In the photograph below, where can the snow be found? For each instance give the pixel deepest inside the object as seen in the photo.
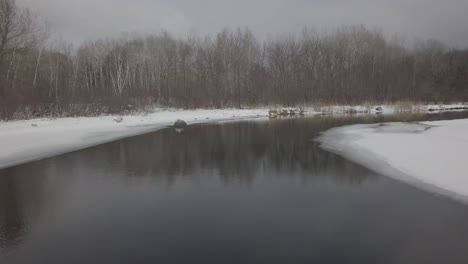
(429, 155)
(29, 140)
(391, 109)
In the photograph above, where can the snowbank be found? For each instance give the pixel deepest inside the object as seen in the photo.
(24, 141)
(390, 109)
(430, 155)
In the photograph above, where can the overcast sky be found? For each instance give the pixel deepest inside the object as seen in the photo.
(77, 20)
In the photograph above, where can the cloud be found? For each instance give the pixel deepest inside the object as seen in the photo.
(413, 19)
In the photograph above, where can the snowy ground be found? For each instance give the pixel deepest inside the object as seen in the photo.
(29, 140)
(430, 155)
(24, 141)
(390, 109)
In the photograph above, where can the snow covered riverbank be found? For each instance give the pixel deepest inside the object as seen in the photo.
(29, 140)
(391, 109)
(430, 155)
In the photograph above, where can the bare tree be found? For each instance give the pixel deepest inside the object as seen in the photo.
(231, 69)
(19, 29)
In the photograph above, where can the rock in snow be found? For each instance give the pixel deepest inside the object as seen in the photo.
(180, 124)
(118, 119)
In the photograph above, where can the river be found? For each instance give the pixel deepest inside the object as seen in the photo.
(254, 191)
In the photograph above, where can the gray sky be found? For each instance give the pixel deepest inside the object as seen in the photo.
(77, 20)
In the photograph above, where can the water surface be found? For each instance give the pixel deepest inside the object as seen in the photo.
(244, 192)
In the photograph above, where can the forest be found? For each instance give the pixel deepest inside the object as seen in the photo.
(347, 65)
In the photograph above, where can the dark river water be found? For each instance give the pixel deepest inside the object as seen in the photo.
(244, 192)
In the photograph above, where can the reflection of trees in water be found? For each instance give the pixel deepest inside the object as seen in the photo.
(236, 152)
(239, 151)
(21, 196)
(11, 215)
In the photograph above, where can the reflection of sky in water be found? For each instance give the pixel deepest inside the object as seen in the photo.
(262, 192)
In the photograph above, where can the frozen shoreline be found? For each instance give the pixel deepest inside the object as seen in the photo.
(429, 155)
(30, 140)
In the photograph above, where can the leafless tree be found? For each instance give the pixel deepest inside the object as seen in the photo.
(19, 29)
(230, 69)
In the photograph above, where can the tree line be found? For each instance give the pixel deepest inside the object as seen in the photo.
(233, 68)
